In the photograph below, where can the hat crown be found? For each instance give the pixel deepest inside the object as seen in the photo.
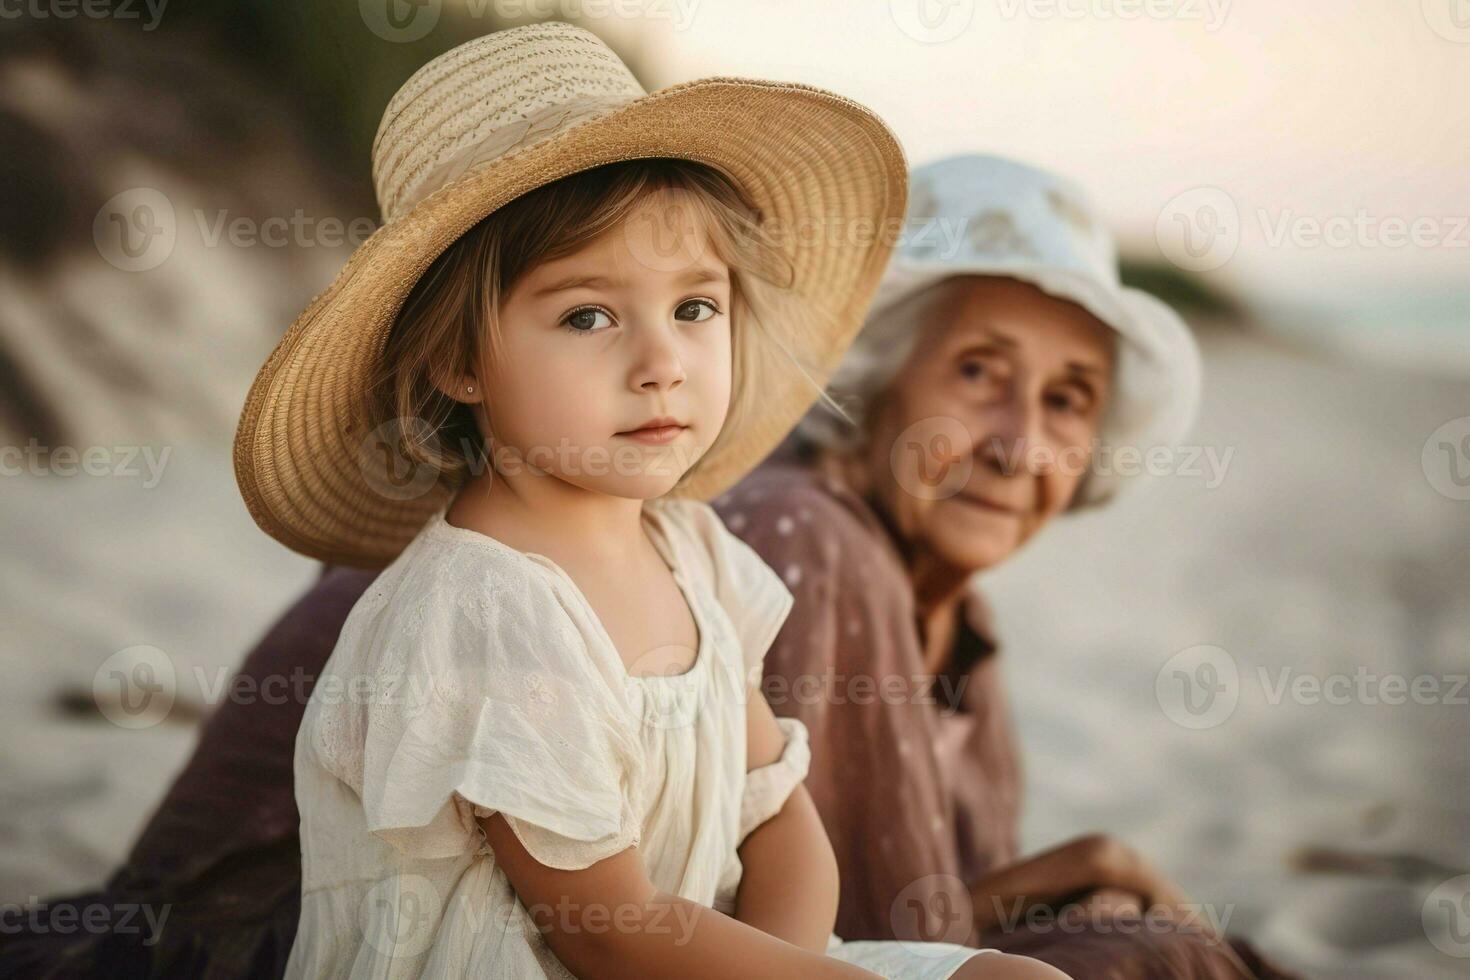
(488, 97)
(983, 210)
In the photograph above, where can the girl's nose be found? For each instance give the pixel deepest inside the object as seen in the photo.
(657, 365)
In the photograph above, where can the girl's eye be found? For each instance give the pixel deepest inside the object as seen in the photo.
(696, 310)
(587, 319)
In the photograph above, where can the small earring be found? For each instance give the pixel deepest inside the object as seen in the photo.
(469, 389)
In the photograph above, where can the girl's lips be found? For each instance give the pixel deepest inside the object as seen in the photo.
(655, 435)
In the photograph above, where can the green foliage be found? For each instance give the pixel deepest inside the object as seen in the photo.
(1180, 289)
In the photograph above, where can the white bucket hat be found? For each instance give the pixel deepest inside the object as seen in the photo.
(985, 215)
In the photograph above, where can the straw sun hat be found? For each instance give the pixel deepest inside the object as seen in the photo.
(484, 124)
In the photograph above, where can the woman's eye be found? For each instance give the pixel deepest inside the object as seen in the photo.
(695, 310)
(973, 370)
(586, 320)
(1069, 402)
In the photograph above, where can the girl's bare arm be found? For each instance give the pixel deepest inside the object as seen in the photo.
(789, 884)
(608, 921)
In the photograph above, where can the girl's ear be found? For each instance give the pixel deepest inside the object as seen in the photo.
(463, 388)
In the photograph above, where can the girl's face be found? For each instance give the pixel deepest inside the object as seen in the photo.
(613, 370)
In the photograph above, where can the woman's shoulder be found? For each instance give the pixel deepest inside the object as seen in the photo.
(789, 501)
(790, 512)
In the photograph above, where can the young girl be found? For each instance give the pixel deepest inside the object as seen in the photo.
(537, 749)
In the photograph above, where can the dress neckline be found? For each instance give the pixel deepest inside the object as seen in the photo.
(667, 549)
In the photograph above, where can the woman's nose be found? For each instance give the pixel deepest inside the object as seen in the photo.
(657, 365)
(1009, 435)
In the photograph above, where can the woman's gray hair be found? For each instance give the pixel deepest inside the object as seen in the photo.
(880, 350)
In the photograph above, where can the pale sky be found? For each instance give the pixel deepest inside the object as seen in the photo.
(1301, 111)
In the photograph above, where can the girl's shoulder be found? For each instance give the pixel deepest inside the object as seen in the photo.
(464, 678)
(455, 597)
(693, 522)
(702, 542)
(456, 622)
(448, 566)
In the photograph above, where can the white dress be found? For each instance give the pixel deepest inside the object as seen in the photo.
(473, 678)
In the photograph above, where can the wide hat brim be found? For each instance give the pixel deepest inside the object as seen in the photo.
(305, 454)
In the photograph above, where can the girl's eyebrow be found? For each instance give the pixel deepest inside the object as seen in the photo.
(591, 282)
(696, 275)
(699, 275)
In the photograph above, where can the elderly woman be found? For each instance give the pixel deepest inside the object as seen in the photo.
(1000, 349)
(1001, 352)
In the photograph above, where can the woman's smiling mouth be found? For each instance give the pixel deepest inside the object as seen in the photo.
(989, 505)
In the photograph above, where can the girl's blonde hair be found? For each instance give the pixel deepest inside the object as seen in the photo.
(448, 324)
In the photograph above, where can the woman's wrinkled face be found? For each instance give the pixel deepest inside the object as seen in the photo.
(631, 331)
(988, 429)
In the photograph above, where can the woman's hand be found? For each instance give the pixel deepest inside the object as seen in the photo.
(1123, 874)
(1107, 877)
